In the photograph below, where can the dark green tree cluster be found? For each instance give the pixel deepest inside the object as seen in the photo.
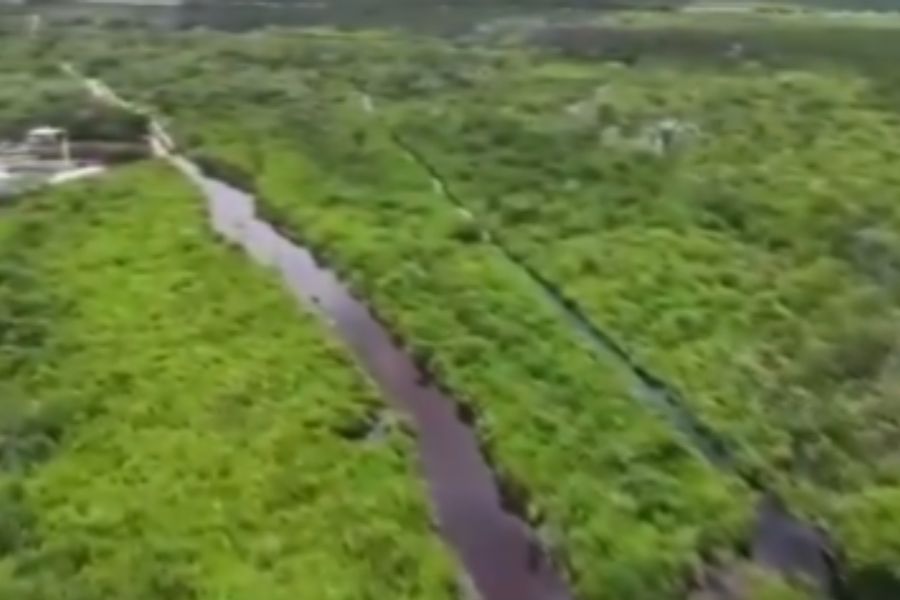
(30, 100)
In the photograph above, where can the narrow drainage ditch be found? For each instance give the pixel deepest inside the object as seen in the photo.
(649, 389)
(780, 541)
(501, 554)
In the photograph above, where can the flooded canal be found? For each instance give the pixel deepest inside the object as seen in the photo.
(500, 553)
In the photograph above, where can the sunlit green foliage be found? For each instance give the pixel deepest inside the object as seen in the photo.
(174, 427)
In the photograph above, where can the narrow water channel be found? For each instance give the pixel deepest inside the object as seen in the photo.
(502, 556)
(500, 553)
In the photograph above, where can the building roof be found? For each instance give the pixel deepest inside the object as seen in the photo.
(45, 130)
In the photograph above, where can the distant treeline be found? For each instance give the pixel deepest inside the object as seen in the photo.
(852, 4)
(381, 6)
(386, 5)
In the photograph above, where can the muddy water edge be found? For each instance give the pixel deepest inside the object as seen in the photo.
(501, 554)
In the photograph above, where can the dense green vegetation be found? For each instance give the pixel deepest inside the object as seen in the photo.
(716, 195)
(735, 228)
(46, 97)
(173, 426)
(732, 224)
(639, 508)
(543, 405)
(732, 227)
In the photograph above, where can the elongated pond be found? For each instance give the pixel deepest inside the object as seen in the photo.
(500, 553)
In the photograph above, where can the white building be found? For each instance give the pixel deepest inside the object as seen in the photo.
(46, 139)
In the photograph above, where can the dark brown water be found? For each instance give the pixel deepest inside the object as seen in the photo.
(787, 544)
(500, 553)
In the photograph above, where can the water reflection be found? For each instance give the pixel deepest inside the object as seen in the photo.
(500, 553)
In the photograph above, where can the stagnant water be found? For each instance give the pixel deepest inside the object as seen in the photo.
(501, 554)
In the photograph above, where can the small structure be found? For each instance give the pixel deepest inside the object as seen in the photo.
(43, 157)
(49, 140)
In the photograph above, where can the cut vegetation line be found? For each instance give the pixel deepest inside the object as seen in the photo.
(648, 389)
(781, 541)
